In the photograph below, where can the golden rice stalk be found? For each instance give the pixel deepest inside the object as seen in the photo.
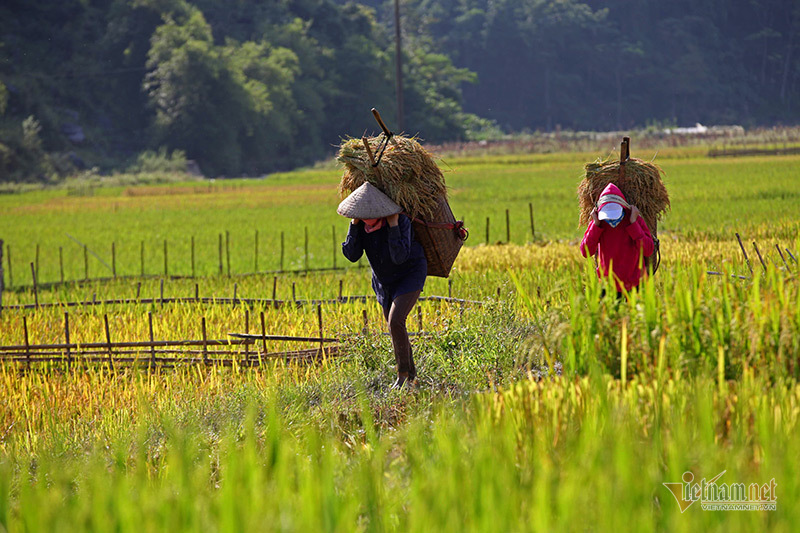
(407, 173)
(641, 185)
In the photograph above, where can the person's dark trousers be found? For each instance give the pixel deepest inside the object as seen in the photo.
(396, 317)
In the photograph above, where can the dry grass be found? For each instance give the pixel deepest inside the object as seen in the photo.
(641, 184)
(407, 173)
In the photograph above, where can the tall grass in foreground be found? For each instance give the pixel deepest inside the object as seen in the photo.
(555, 455)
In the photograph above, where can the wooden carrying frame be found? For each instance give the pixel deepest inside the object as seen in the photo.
(441, 239)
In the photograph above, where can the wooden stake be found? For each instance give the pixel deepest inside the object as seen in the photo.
(35, 288)
(193, 274)
(763, 264)
(508, 227)
(293, 296)
(27, 342)
(8, 257)
(341, 284)
(247, 330)
(197, 292)
(113, 259)
(419, 318)
(263, 337)
(306, 248)
(487, 230)
(274, 287)
(66, 339)
(321, 336)
(141, 258)
(36, 258)
(533, 228)
(108, 341)
(85, 262)
(220, 254)
(235, 287)
(255, 254)
(747, 260)
(162, 293)
(228, 251)
(282, 251)
(152, 340)
(783, 259)
(449, 288)
(61, 263)
(166, 260)
(366, 321)
(205, 340)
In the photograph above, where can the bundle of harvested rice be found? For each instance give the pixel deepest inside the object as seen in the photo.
(407, 173)
(640, 183)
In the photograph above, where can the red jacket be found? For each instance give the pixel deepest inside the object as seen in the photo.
(619, 247)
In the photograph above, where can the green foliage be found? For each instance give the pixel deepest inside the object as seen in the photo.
(160, 161)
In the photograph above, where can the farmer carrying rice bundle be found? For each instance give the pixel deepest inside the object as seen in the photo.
(379, 229)
(622, 202)
(395, 194)
(619, 236)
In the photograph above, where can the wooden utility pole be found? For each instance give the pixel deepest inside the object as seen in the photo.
(399, 67)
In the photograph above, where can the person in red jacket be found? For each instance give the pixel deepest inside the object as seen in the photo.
(620, 237)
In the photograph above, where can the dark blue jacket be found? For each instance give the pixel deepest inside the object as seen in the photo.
(396, 257)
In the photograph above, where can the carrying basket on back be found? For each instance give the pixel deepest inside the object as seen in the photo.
(401, 168)
(639, 181)
(441, 239)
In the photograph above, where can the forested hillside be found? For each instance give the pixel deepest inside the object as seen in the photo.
(248, 87)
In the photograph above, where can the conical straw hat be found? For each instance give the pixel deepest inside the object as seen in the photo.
(368, 202)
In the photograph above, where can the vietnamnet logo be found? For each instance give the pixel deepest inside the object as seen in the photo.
(715, 496)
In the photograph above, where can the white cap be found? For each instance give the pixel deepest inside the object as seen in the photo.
(610, 211)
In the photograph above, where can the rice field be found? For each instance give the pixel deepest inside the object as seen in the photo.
(540, 405)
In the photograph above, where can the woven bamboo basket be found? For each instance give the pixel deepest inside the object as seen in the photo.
(441, 239)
